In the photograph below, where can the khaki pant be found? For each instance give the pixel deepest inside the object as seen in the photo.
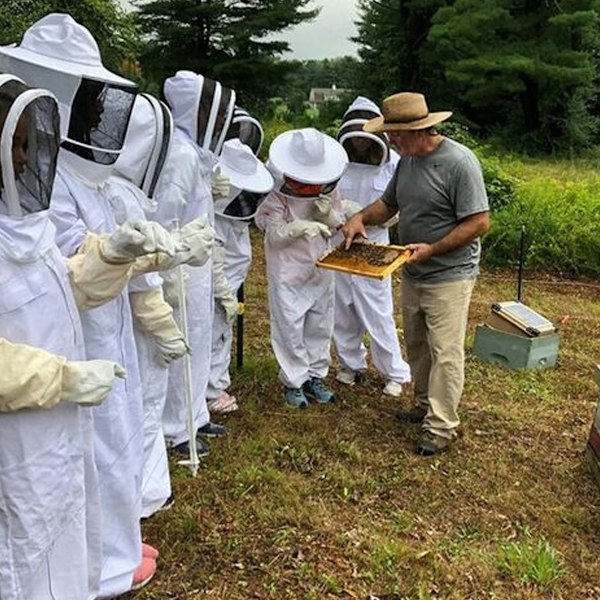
(435, 321)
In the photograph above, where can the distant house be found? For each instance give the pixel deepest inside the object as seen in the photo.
(318, 96)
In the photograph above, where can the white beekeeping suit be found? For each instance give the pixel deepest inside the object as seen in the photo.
(202, 111)
(298, 219)
(363, 305)
(247, 129)
(249, 182)
(50, 543)
(95, 104)
(158, 339)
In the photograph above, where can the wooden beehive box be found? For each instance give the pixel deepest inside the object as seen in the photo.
(365, 258)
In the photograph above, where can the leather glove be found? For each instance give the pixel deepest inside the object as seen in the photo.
(220, 185)
(198, 236)
(170, 350)
(92, 381)
(230, 305)
(136, 238)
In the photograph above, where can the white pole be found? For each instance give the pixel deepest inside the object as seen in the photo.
(193, 461)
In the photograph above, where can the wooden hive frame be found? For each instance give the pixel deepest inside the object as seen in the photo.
(353, 261)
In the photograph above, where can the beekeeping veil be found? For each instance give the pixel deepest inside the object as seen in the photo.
(29, 142)
(59, 54)
(361, 146)
(147, 142)
(250, 181)
(246, 129)
(202, 107)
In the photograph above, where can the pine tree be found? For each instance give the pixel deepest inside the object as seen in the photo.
(525, 66)
(229, 41)
(390, 35)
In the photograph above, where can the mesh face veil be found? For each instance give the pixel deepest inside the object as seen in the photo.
(362, 147)
(244, 206)
(98, 121)
(247, 129)
(164, 137)
(58, 54)
(215, 112)
(29, 143)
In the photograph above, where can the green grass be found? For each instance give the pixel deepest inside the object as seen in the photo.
(332, 502)
(531, 563)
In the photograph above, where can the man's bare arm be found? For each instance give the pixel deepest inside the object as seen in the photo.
(466, 231)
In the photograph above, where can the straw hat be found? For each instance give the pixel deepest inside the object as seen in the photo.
(405, 111)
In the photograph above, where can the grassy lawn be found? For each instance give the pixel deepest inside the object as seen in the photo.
(331, 502)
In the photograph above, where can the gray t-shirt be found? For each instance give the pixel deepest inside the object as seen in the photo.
(433, 194)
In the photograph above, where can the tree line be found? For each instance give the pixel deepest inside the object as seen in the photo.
(523, 71)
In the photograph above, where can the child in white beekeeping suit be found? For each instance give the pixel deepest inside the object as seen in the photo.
(58, 53)
(298, 219)
(249, 181)
(159, 340)
(364, 305)
(202, 110)
(50, 513)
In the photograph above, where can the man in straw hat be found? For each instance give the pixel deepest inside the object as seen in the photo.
(439, 195)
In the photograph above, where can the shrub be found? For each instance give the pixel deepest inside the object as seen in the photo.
(562, 219)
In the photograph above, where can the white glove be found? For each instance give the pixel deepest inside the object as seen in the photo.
(308, 229)
(280, 231)
(198, 236)
(230, 305)
(222, 291)
(171, 286)
(171, 350)
(220, 185)
(136, 238)
(93, 382)
(350, 208)
(323, 206)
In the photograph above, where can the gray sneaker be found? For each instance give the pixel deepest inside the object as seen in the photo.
(184, 448)
(212, 430)
(295, 397)
(315, 388)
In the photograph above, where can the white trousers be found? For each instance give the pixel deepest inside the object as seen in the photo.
(301, 329)
(365, 306)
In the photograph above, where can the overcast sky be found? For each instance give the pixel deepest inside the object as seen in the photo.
(325, 37)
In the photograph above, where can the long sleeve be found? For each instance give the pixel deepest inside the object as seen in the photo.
(95, 281)
(153, 315)
(32, 378)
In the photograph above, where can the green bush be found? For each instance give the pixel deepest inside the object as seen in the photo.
(562, 219)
